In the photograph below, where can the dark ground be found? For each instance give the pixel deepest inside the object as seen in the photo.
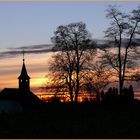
(74, 121)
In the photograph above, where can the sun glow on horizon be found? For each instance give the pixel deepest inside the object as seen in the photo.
(39, 81)
(36, 68)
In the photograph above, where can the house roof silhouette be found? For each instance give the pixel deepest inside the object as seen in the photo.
(14, 94)
(26, 101)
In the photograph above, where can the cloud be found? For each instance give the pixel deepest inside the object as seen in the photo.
(32, 49)
(44, 48)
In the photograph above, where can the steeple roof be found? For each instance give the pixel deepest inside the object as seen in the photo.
(23, 74)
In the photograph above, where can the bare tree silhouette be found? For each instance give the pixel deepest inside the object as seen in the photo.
(98, 78)
(75, 50)
(122, 33)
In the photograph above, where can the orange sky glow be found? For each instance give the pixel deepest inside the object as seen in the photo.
(37, 67)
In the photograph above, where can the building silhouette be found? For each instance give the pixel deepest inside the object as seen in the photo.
(20, 97)
(24, 80)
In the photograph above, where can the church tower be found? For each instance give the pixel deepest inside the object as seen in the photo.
(24, 79)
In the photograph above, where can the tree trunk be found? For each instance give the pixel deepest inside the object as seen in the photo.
(71, 97)
(77, 83)
(70, 88)
(77, 70)
(120, 87)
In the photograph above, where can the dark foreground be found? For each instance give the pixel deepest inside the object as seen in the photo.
(74, 121)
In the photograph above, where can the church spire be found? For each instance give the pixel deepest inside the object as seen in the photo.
(23, 55)
(24, 79)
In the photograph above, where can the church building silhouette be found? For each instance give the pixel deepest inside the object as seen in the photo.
(24, 80)
(21, 96)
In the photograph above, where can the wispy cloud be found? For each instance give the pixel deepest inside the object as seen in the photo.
(45, 48)
(32, 49)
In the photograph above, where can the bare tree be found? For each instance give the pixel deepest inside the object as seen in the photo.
(98, 78)
(75, 49)
(122, 33)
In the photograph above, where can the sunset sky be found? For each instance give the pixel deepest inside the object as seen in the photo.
(30, 25)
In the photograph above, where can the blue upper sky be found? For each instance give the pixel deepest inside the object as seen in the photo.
(30, 23)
